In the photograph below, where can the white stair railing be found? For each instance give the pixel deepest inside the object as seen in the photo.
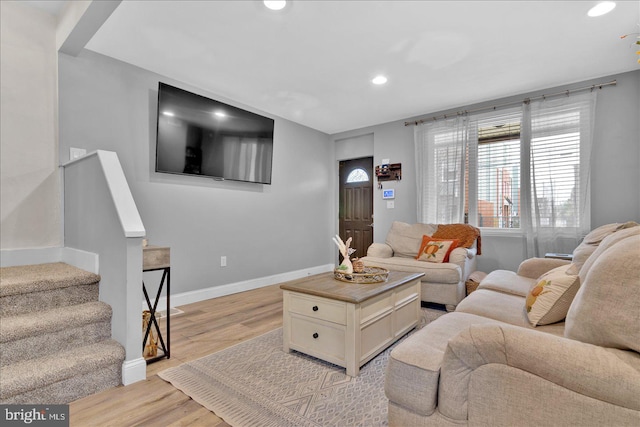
(101, 217)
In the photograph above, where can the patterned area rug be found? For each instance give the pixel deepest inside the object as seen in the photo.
(255, 383)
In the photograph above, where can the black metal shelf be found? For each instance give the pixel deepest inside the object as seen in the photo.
(166, 278)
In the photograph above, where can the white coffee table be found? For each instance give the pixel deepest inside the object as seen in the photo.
(348, 324)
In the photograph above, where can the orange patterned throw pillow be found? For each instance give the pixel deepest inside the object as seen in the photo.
(436, 250)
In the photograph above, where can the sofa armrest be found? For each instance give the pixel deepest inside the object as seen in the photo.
(463, 258)
(461, 255)
(599, 373)
(380, 250)
(536, 267)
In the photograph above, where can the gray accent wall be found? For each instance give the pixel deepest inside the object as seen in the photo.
(263, 230)
(615, 172)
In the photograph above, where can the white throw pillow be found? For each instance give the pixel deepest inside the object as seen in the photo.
(549, 299)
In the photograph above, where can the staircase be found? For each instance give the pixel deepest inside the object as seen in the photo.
(55, 336)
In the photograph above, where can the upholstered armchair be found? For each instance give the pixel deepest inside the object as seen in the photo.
(444, 278)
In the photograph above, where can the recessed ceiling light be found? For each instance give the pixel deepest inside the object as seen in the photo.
(379, 80)
(275, 5)
(168, 113)
(601, 8)
(220, 113)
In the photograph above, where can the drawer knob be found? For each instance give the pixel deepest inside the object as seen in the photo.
(315, 308)
(315, 335)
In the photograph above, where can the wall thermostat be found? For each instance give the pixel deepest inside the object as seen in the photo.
(389, 193)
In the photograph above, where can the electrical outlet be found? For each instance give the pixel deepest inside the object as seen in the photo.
(223, 261)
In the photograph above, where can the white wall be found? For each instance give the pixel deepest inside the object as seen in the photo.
(615, 172)
(263, 230)
(29, 179)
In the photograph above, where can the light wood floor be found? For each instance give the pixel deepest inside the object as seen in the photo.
(204, 328)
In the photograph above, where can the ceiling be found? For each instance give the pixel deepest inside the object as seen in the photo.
(313, 62)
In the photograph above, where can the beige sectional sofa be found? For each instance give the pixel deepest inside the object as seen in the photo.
(442, 283)
(487, 365)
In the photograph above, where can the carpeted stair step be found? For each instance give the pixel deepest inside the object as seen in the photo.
(32, 335)
(63, 377)
(40, 287)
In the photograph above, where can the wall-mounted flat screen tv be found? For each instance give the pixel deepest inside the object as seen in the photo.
(200, 136)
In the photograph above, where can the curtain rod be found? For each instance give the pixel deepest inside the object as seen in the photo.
(526, 100)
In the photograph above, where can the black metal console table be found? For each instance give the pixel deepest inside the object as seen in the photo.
(156, 258)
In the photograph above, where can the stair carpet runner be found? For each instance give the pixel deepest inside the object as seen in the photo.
(55, 336)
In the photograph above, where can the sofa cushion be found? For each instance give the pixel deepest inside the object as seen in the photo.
(405, 239)
(508, 282)
(549, 300)
(380, 250)
(499, 306)
(595, 236)
(436, 250)
(606, 243)
(433, 272)
(413, 369)
(592, 240)
(606, 309)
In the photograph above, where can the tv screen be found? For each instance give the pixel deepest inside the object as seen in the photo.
(200, 136)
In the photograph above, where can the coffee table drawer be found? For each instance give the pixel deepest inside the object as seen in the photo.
(319, 308)
(318, 339)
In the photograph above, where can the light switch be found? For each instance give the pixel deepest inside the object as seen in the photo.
(390, 204)
(75, 153)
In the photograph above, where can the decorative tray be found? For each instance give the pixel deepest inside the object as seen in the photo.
(370, 275)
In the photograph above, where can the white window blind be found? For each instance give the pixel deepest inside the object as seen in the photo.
(524, 168)
(559, 179)
(496, 156)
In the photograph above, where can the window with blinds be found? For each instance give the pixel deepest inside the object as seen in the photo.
(525, 167)
(555, 167)
(554, 152)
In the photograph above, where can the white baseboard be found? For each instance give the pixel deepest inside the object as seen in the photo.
(11, 257)
(233, 288)
(134, 370)
(84, 260)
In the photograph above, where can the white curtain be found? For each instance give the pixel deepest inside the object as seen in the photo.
(556, 142)
(440, 148)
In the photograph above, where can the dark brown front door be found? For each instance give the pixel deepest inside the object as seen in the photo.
(355, 213)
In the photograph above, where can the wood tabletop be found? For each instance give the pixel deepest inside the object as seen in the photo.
(325, 285)
(155, 257)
